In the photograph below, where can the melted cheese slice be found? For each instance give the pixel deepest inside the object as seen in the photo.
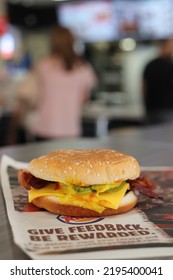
(94, 201)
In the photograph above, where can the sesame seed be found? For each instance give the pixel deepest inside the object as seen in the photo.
(65, 171)
(88, 171)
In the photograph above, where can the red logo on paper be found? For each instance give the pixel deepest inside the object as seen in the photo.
(78, 220)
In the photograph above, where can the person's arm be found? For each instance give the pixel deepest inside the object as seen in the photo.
(26, 98)
(90, 82)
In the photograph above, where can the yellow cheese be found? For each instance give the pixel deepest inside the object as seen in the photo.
(84, 200)
(113, 199)
(94, 201)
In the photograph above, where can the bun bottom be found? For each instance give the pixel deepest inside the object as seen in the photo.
(50, 203)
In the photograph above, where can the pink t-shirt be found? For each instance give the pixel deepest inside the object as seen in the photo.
(61, 97)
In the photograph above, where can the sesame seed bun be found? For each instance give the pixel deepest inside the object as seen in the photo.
(85, 167)
(51, 204)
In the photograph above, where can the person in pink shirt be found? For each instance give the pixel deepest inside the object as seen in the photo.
(64, 84)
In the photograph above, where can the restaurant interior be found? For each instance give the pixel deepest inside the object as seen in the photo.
(117, 37)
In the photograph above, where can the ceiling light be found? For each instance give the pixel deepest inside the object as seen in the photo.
(127, 44)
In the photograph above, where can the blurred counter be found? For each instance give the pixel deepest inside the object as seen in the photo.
(101, 115)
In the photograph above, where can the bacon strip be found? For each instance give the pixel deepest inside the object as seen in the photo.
(144, 186)
(27, 180)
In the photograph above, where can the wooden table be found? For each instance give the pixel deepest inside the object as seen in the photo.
(152, 146)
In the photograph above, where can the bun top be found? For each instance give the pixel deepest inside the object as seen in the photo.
(85, 167)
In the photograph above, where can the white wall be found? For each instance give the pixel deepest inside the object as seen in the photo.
(132, 67)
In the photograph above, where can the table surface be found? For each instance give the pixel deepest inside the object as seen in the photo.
(152, 146)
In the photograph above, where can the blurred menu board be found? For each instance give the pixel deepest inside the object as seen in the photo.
(108, 20)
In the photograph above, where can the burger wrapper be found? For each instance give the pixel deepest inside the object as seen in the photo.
(146, 231)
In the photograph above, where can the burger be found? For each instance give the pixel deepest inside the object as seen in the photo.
(83, 183)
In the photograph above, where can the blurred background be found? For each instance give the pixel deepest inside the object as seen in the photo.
(117, 37)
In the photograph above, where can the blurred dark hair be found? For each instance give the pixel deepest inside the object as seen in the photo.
(62, 45)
